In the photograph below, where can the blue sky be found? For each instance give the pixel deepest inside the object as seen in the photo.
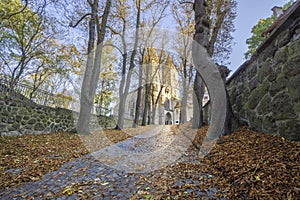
(248, 14)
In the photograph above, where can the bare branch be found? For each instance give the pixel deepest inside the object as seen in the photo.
(82, 18)
(16, 13)
(113, 30)
(186, 2)
(90, 2)
(111, 45)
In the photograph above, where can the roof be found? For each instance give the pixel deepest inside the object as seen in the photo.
(282, 18)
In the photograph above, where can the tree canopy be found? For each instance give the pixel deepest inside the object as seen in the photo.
(256, 39)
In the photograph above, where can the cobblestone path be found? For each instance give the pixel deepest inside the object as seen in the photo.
(114, 172)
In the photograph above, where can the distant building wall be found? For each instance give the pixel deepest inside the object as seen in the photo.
(265, 91)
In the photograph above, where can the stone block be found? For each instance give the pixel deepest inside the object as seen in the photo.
(253, 83)
(26, 118)
(31, 121)
(22, 111)
(281, 56)
(13, 104)
(39, 127)
(296, 109)
(12, 133)
(277, 86)
(264, 106)
(291, 67)
(269, 125)
(5, 113)
(28, 126)
(294, 87)
(272, 75)
(265, 70)
(10, 128)
(255, 121)
(282, 107)
(252, 71)
(11, 120)
(290, 129)
(294, 49)
(3, 127)
(283, 38)
(18, 118)
(256, 95)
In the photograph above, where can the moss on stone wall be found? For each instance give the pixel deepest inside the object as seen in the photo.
(270, 95)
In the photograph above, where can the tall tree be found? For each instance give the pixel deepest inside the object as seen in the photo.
(128, 48)
(108, 77)
(183, 15)
(22, 35)
(208, 72)
(97, 32)
(201, 36)
(255, 40)
(157, 81)
(219, 22)
(54, 71)
(154, 61)
(157, 14)
(221, 15)
(125, 81)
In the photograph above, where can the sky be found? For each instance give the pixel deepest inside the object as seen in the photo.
(248, 14)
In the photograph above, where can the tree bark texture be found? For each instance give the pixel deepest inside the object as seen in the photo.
(93, 67)
(199, 89)
(209, 72)
(201, 36)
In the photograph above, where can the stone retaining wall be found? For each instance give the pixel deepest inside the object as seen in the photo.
(19, 118)
(265, 91)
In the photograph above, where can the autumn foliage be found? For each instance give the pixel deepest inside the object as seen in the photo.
(243, 165)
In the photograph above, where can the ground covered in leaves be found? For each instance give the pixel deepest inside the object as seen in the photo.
(243, 165)
(29, 157)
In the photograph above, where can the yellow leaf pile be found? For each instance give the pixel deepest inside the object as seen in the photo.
(243, 165)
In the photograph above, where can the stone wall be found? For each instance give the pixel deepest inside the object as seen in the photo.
(265, 91)
(19, 118)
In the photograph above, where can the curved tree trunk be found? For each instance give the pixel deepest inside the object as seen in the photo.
(209, 72)
(201, 37)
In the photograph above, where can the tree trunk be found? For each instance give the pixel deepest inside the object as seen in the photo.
(138, 98)
(120, 123)
(197, 102)
(231, 123)
(154, 106)
(149, 114)
(121, 109)
(201, 36)
(92, 71)
(131, 67)
(146, 107)
(209, 72)
(183, 113)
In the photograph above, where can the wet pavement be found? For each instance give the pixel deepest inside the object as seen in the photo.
(115, 172)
